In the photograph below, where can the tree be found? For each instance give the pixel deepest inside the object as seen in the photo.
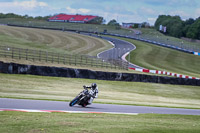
(174, 25)
(97, 20)
(113, 22)
(194, 30)
(189, 21)
(145, 24)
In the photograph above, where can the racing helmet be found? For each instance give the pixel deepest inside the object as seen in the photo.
(94, 85)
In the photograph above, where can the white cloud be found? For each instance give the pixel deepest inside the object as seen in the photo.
(147, 11)
(22, 5)
(197, 13)
(74, 11)
(30, 7)
(30, 4)
(152, 20)
(180, 13)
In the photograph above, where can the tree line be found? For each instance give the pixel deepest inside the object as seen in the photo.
(98, 20)
(12, 15)
(176, 27)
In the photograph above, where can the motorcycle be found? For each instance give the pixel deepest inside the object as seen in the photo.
(81, 99)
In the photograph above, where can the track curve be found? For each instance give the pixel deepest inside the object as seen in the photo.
(6, 103)
(119, 51)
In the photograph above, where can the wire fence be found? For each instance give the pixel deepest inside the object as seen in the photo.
(68, 59)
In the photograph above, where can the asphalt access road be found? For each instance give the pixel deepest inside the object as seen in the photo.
(6, 103)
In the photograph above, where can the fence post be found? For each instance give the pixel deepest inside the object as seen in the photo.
(19, 53)
(58, 58)
(91, 62)
(81, 60)
(46, 56)
(6, 51)
(12, 53)
(33, 55)
(102, 63)
(40, 55)
(26, 54)
(97, 60)
(64, 56)
(116, 63)
(75, 60)
(70, 56)
(52, 58)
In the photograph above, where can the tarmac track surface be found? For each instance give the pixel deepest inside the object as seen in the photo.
(6, 103)
(120, 48)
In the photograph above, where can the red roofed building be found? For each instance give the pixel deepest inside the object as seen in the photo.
(72, 18)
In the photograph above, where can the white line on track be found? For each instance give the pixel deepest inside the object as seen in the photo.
(63, 111)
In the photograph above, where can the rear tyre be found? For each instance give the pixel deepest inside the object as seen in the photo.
(84, 105)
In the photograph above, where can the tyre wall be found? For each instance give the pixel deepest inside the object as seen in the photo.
(13, 68)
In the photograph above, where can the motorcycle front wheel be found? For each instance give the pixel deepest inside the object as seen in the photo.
(74, 101)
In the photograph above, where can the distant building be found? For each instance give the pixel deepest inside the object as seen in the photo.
(72, 18)
(130, 25)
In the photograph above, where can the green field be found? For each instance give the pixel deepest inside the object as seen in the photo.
(157, 36)
(165, 59)
(51, 41)
(19, 122)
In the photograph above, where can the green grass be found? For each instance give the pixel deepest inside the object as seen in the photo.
(20, 122)
(157, 36)
(160, 58)
(51, 41)
(112, 92)
(146, 32)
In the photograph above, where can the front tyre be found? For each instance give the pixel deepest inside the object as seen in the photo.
(74, 101)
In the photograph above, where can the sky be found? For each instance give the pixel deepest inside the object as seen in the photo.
(136, 11)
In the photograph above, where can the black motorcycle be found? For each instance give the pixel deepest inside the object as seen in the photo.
(82, 98)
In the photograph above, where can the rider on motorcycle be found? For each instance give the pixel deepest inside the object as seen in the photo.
(93, 92)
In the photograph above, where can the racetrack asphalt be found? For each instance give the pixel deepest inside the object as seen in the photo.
(6, 103)
(120, 48)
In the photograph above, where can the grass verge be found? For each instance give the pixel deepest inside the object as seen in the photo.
(19, 122)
